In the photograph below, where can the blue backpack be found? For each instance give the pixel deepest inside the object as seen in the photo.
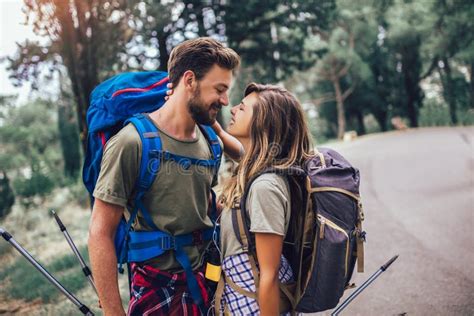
(114, 103)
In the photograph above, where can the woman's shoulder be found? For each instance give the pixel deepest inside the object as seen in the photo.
(268, 204)
(270, 181)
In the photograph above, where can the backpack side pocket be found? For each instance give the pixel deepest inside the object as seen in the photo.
(330, 267)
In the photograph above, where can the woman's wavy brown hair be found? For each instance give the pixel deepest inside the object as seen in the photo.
(279, 138)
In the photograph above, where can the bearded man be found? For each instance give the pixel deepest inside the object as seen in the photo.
(201, 72)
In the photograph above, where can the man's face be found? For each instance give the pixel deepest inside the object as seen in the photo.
(210, 95)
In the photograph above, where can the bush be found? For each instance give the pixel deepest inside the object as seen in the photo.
(371, 124)
(434, 113)
(79, 194)
(466, 117)
(5, 248)
(318, 127)
(27, 189)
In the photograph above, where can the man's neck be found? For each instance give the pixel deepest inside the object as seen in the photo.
(174, 119)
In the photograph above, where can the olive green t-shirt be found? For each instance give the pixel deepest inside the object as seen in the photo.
(178, 198)
(269, 209)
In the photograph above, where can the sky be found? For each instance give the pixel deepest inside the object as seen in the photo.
(12, 31)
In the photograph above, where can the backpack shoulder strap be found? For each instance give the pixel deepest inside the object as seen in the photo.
(216, 150)
(213, 141)
(151, 141)
(240, 213)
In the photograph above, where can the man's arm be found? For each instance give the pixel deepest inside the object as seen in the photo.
(104, 221)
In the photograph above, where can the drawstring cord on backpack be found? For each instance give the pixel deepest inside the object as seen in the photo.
(215, 240)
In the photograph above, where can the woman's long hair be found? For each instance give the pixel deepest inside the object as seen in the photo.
(279, 138)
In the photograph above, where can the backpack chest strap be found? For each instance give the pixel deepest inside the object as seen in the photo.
(184, 162)
(146, 245)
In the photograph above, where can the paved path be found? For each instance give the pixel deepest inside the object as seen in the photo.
(418, 193)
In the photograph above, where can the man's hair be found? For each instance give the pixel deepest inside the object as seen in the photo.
(199, 55)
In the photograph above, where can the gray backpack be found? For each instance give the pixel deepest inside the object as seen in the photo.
(324, 238)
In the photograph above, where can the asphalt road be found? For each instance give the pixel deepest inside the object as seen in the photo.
(418, 193)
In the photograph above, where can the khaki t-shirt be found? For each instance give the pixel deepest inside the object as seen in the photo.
(178, 198)
(269, 208)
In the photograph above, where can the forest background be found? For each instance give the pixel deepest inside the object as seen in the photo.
(358, 67)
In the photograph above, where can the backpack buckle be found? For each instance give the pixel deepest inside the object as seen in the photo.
(197, 238)
(167, 243)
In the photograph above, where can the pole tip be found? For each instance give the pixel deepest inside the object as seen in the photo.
(389, 262)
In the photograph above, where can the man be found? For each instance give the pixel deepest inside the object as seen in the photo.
(201, 72)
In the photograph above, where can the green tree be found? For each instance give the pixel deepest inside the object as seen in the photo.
(451, 46)
(428, 38)
(408, 26)
(340, 62)
(270, 35)
(86, 39)
(30, 150)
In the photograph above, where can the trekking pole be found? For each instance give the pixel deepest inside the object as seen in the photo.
(85, 269)
(83, 308)
(363, 286)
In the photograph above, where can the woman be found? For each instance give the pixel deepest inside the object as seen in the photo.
(270, 124)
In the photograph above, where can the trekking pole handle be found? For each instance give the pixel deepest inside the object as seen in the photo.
(58, 220)
(5, 234)
(85, 269)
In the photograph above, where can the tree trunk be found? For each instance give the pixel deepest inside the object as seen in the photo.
(7, 197)
(360, 123)
(411, 69)
(69, 141)
(472, 85)
(449, 91)
(381, 118)
(164, 55)
(79, 59)
(412, 112)
(202, 32)
(341, 118)
(69, 38)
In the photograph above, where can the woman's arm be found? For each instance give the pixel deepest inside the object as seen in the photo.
(232, 147)
(269, 248)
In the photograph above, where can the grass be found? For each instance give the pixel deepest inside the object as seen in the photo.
(22, 281)
(4, 247)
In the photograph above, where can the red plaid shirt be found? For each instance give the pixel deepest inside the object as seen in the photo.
(156, 292)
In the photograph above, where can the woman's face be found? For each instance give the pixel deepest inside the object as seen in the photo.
(242, 113)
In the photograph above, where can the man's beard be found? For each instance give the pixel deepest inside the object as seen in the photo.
(199, 111)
